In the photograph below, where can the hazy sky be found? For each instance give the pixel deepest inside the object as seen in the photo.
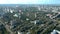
(29, 1)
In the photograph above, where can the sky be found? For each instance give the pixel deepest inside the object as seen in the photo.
(29, 1)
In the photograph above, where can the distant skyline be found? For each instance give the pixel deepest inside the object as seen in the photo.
(29, 1)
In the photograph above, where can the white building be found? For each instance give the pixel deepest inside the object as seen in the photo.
(20, 32)
(27, 19)
(28, 33)
(15, 15)
(49, 15)
(35, 21)
(35, 15)
(55, 32)
(11, 11)
(58, 12)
